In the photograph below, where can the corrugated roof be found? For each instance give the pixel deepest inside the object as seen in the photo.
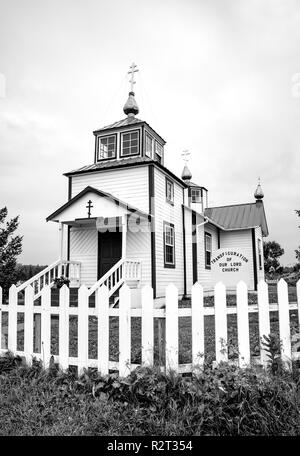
(239, 216)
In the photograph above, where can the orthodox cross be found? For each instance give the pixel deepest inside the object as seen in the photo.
(89, 206)
(186, 156)
(133, 69)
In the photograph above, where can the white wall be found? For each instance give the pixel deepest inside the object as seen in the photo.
(84, 248)
(240, 239)
(171, 214)
(127, 184)
(139, 248)
(204, 275)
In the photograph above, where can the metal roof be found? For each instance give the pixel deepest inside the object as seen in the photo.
(239, 216)
(125, 162)
(122, 123)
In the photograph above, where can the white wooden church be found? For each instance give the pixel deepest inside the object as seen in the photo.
(130, 219)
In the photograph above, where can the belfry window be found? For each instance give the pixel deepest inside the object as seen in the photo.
(196, 195)
(130, 143)
(259, 253)
(149, 145)
(107, 147)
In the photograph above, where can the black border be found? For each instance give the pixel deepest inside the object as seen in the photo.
(167, 265)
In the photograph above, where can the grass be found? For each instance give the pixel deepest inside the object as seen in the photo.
(221, 401)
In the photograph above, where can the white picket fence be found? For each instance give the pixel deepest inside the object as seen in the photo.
(171, 313)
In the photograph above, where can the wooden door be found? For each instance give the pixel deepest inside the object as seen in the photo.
(109, 251)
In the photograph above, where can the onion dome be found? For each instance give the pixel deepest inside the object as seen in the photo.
(259, 194)
(186, 175)
(131, 108)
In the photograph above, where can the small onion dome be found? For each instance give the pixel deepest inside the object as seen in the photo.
(259, 194)
(186, 174)
(131, 108)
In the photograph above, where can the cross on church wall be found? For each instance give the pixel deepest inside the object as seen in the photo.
(89, 206)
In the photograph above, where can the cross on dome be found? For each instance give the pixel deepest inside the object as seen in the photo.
(186, 155)
(133, 69)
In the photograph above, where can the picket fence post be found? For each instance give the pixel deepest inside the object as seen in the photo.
(28, 324)
(147, 326)
(83, 328)
(46, 326)
(102, 301)
(221, 323)
(125, 331)
(197, 326)
(171, 328)
(64, 300)
(284, 319)
(1, 310)
(243, 324)
(12, 319)
(263, 318)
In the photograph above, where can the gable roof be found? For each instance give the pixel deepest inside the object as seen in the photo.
(239, 216)
(99, 193)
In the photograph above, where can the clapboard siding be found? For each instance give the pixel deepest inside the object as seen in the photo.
(129, 185)
(139, 248)
(165, 212)
(241, 240)
(188, 250)
(204, 275)
(83, 248)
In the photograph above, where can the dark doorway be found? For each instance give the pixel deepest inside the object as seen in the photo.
(109, 250)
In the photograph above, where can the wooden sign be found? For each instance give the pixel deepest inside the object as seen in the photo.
(230, 265)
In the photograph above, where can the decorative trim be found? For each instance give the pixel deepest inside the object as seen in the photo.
(194, 247)
(152, 224)
(254, 258)
(168, 265)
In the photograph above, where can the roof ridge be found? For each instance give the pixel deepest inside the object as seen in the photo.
(231, 205)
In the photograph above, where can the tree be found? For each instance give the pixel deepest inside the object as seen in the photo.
(10, 248)
(272, 251)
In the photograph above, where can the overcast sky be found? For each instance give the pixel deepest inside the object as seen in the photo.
(218, 77)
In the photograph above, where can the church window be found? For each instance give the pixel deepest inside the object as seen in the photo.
(259, 253)
(158, 152)
(130, 143)
(169, 245)
(107, 147)
(169, 191)
(196, 195)
(208, 250)
(149, 145)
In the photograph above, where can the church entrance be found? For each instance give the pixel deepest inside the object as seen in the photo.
(109, 250)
